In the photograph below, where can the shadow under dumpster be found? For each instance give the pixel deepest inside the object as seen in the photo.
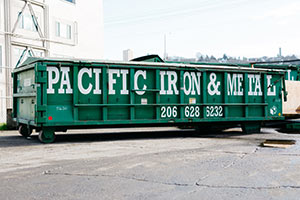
(90, 136)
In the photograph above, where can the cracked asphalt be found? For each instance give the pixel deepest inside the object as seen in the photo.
(149, 163)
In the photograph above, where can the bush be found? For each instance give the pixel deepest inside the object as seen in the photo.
(3, 126)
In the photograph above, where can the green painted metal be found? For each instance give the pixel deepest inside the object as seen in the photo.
(293, 126)
(251, 127)
(149, 58)
(63, 94)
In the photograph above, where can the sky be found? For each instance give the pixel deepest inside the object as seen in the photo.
(238, 28)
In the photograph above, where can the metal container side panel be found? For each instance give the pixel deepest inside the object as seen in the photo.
(151, 80)
(78, 94)
(26, 82)
(25, 95)
(291, 107)
(26, 108)
(274, 90)
(235, 94)
(58, 94)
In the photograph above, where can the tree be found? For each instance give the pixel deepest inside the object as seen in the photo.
(212, 57)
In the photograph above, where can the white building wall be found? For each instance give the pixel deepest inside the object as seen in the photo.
(86, 21)
(2, 68)
(81, 34)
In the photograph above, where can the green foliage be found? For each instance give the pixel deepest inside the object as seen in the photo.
(3, 126)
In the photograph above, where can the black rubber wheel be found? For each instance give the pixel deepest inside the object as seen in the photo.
(24, 131)
(46, 136)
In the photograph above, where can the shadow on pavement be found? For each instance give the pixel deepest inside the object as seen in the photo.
(15, 140)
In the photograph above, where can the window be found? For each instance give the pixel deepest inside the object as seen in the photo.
(21, 54)
(68, 31)
(57, 29)
(72, 1)
(63, 30)
(38, 53)
(17, 53)
(26, 22)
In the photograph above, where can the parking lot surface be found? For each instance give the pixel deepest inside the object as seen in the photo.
(149, 163)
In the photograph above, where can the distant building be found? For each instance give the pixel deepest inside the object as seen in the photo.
(56, 28)
(127, 55)
(279, 54)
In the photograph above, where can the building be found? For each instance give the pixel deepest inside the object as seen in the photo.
(127, 55)
(55, 28)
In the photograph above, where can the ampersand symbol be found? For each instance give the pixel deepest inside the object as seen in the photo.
(213, 86)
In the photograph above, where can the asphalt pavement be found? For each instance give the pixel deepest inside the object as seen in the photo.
(149, 163)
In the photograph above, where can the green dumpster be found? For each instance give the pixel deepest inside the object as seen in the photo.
(59, 94)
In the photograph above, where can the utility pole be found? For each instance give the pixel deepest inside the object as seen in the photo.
(280, 52)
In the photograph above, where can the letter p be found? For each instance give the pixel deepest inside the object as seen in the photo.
(52, 80)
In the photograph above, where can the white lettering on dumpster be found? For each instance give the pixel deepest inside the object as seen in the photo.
(234, 84)
(65, 80)
(97, 73)
(271, 88)
(80, 75)
(52, 71)
(193, 82)
(124, 73)
(162, 83)
(136, 77)
(111, 80)
(290, 78)
(172, 81)
(89, 80)
(213, 85)
(87, 90)
(254, 79)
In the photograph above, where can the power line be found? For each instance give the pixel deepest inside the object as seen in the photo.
(153, 12)
(171, 13)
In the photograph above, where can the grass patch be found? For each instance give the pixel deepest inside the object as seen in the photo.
(3, 126)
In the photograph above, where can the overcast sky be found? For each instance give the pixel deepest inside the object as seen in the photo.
(250, 28)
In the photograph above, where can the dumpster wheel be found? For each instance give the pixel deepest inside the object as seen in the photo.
(46, 136)
(24, 130)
